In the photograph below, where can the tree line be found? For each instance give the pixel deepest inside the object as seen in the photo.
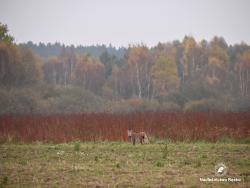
(182, 75)
(49, 49)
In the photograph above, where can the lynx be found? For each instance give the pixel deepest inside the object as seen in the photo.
(141, 137)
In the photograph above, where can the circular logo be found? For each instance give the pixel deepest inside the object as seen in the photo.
(221, 170)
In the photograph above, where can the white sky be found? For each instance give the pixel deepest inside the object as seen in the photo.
(125, 22)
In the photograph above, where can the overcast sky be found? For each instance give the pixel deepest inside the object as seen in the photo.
(125, 22)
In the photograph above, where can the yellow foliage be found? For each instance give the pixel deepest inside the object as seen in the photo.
(135, 102)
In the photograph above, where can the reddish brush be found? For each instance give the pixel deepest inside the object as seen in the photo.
(102, 126)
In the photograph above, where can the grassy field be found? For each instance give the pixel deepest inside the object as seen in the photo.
(120, 164)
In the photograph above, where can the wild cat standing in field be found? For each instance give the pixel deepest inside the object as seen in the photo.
(141, 137)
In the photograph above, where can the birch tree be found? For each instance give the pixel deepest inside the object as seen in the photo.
(244, 73)
(140, 63)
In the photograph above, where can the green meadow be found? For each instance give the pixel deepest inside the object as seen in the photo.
(120, 164)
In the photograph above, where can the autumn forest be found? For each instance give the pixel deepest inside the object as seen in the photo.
(186, 76)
